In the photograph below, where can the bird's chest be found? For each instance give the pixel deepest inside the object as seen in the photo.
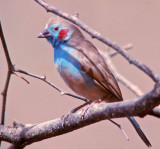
(66, 63)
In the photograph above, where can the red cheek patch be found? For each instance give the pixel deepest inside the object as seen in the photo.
(63, 34)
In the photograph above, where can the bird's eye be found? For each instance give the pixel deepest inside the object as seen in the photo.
(56, 29)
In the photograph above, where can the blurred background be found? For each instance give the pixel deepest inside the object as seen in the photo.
(134, 21)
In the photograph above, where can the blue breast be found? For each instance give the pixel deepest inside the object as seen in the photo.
(66, 61)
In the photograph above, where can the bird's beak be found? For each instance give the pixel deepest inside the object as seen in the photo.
(44, 34)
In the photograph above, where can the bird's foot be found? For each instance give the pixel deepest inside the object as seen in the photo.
(65, 117)
(85, 111)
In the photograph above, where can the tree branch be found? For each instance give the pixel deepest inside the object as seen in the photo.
(4, 94)
(44, 79)
(9, 62)
(10, 67)
(23, 135)
(126, 47)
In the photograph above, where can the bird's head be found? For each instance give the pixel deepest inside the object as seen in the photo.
(59, 31)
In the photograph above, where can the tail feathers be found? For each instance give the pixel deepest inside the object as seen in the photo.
(139, 131)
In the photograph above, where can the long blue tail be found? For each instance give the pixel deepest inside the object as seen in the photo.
(139, 131)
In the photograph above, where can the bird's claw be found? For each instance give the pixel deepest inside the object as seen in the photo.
(65, 117)
(84, 112)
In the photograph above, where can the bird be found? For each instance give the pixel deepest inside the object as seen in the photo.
(82, 67)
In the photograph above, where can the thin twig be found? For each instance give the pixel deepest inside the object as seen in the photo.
(9, 62)
(119, 126)
(21, 77)
(4, 94)
(126, 48)
(97, 35)
(43, 78)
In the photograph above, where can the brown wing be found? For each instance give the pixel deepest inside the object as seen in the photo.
(94, 65)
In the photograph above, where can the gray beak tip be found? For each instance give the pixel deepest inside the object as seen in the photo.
(40, 35)
(44, 34)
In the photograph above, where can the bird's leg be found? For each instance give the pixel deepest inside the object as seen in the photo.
(79, 107)
(96, 102)
(85, 110)
(64, 117)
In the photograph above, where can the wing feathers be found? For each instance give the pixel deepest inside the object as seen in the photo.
(94, 65)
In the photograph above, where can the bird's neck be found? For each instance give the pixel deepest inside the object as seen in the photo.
(55, 43)
(61, 49)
